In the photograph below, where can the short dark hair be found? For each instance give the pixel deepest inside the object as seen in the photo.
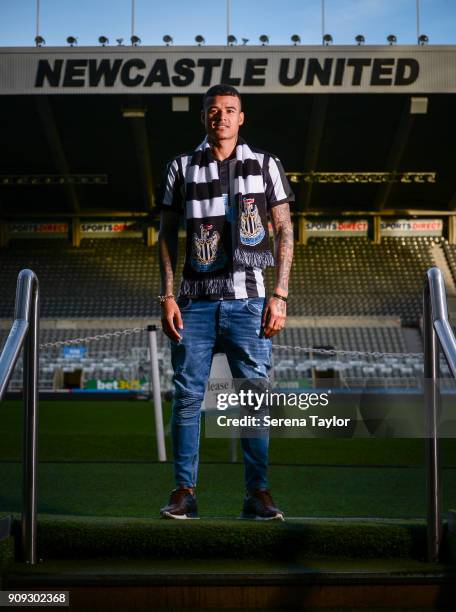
(221, 90)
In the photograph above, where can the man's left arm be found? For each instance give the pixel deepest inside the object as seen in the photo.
(276, 310)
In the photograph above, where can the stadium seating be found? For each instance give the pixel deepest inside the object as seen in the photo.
(127, 356)
(120, 277)
(101, 278)
(450, 253)
(384, 339)
(353, 276)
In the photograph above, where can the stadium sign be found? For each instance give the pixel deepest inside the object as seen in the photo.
(412, 227)
(262, 69)
(347, 227)
(117, 227)
(56, 229)
(118, 385)
(74, 352)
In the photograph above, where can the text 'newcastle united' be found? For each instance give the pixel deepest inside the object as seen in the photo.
(249, 72)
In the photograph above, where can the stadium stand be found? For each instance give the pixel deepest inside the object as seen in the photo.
(384, 339)
(353, 276)
(126, 356)
(120, 278)
(450, 253)
(331, 277)
(101, 278)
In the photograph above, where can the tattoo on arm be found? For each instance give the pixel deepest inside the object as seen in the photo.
(167, 250)
(283, 244)
(281, 307)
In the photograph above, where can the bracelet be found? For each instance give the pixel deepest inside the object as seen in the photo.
(280, 297)
(163, 298)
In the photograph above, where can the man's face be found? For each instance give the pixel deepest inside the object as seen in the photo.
(222, 117)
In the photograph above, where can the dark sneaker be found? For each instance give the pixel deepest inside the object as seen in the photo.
(260, 506)
(182, 505)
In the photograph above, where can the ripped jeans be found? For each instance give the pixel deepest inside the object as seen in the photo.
(234, 327)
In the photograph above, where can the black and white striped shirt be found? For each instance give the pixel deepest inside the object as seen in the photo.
(247, 282)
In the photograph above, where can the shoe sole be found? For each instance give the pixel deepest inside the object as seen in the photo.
(168, 515)
(256, 517)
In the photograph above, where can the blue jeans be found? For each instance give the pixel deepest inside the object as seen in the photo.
(234, 327)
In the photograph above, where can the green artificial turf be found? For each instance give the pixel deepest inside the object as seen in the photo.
(7, 556)
(124, 431)
(139, 490)
(6, 551)
(99, 458)
(289, 541)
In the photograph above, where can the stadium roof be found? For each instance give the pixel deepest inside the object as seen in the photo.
(77, 152)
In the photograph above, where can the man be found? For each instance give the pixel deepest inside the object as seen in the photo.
(224, 189)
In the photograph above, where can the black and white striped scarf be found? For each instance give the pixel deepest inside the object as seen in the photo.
(210, 257)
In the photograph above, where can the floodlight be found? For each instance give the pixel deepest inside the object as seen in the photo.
(327, 39)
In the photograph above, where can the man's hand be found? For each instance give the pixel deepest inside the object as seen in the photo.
(171, 319)
(274, 316)
(167, 250)
(276, 310)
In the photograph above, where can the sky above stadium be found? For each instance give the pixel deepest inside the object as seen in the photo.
(184, 19)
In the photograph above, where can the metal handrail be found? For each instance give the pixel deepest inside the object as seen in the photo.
(24, 333)
(437, 333)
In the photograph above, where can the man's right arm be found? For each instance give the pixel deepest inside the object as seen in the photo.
(171, 206)
(167, 249)
(168, 245)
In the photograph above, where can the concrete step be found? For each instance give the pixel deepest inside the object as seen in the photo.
(202, 564)
(413, 340)
(241, 584)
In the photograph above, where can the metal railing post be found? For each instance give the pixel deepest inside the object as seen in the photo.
(24, 333)
(432, 413)
(30, 436)
(437, 334)
(155, 382)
